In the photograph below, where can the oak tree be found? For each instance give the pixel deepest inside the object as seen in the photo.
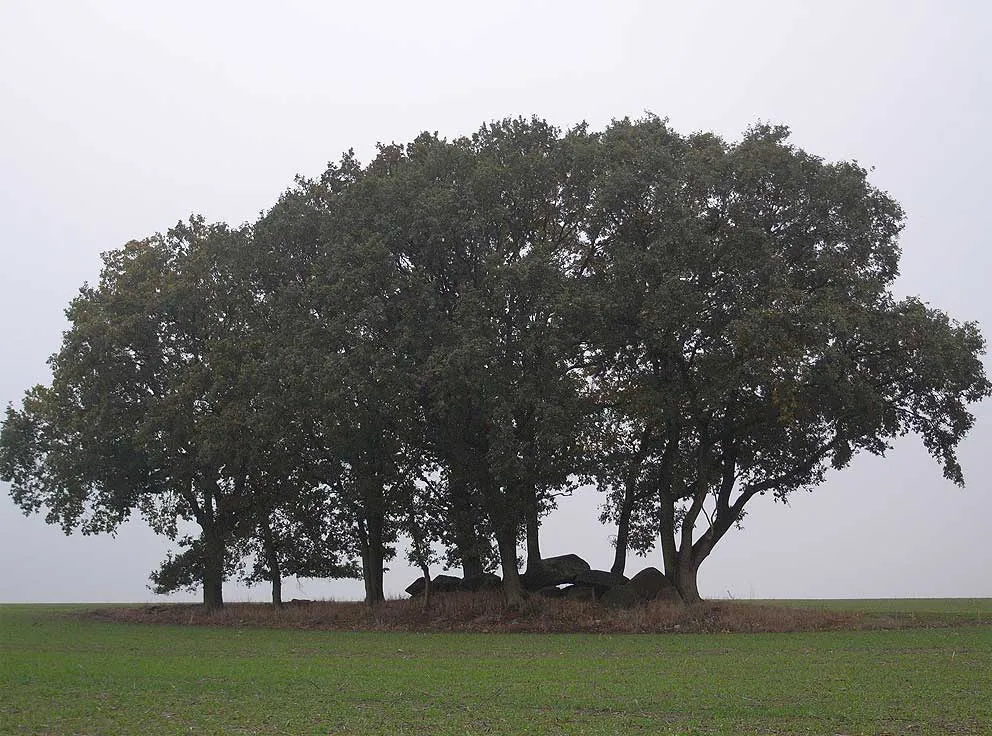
(748, 335)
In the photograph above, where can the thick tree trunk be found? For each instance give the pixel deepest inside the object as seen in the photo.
(213, 547)
(463, 521)
(213, 570)
(372, 576)
(372, 560)
(472, 566)
(513, 591)
(623, 539)
(681, 565)
(685, 578)
(213, 593)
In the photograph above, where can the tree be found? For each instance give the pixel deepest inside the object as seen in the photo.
(305, 536)
(335, 296)
(152, 406)
(483, 225)
(422, 525)
(442, 342)
(748, 335)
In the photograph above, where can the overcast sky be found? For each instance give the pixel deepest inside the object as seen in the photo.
(119, 120)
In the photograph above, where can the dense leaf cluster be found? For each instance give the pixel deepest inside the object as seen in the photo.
(440, 343)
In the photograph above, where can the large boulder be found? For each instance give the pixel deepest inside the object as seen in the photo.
(579, 593)
(445, 584)
(485, 581)
(554, 571)
(652, 584)
(439, 584)
(600, 580)
(416, 588)
(622, 596)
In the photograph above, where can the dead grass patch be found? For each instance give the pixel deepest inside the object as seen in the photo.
(485, 612)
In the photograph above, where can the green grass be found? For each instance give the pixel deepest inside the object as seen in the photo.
(962, 609)
(66, 675)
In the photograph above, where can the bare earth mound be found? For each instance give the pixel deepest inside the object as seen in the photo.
(484, 612)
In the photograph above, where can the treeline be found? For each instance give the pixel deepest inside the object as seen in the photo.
(437, 345)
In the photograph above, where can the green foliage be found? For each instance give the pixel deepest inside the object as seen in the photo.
(745, 338)
(443, 341)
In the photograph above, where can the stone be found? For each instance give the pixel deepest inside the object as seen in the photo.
(439, 584)
(622, 596)
(579, 593)
(651, 584)
(554, 571)
(600, 580)
(485, 581)
(445, 584)
(416, 588)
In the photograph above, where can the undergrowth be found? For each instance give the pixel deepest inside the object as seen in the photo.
(485, 612)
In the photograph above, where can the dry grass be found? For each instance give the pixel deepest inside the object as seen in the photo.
(485, 612)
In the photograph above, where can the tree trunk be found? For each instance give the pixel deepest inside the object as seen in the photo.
(372, 560)
(426, 572)
(472, 566)
(623, 539)
(534, 565)
(513, 591)
(213, 570)
(669, 553)
(466, 537)
(272, 561)
(685, 578)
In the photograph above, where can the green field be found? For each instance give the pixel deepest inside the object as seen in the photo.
(61, 674)
(964, 609)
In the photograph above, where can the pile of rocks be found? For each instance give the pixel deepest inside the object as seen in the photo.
(650, 584)
(452, 584)
(571, 577)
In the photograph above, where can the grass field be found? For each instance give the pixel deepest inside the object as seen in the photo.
(963, 609)
(62, 674)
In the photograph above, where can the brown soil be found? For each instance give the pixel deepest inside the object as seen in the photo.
(486, 613)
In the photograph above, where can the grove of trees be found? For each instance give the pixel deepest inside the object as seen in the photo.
(437, 345)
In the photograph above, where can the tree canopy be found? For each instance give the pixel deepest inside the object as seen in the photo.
(440, 343)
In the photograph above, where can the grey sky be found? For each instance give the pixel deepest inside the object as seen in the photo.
(121, 118)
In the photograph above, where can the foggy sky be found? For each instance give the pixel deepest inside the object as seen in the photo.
(119, 119)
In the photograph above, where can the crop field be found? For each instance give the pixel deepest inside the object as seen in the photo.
(63, 673)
